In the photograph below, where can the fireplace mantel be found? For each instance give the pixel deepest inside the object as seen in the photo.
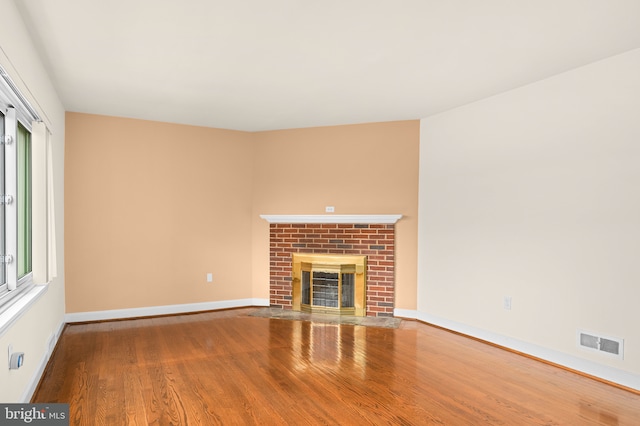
(332, 218)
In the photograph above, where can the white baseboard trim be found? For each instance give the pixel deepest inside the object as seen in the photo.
(405, 313)
(591, 368)
(162, 310)
(28, 392)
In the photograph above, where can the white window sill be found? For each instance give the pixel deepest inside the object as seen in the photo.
(18, 308)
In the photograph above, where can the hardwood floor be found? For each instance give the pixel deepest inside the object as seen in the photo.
(228, 368)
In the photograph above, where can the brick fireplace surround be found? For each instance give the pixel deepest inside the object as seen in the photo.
(375, 240)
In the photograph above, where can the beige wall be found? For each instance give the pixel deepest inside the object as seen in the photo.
(31, 332)
(358, 169)
(533, 194)
(152, 207)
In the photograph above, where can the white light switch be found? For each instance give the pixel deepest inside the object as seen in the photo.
(209, 277)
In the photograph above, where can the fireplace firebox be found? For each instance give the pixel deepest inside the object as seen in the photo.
(326, 283)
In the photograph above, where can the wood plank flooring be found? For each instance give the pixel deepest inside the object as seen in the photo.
(228, 368)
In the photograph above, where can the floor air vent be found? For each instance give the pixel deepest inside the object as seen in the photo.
(599, 343)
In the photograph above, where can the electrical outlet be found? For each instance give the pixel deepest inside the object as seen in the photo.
(329, 209)
(507, 303)
(209, 277)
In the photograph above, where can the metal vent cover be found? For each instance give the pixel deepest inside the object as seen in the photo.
(611, 346)
(589, 341)
(599, 343)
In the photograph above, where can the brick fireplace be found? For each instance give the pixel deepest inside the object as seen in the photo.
(371, 236)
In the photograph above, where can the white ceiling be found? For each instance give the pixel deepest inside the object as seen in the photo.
(274, 64)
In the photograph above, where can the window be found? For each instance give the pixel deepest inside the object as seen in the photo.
(24, 201)
(3, 252)
(15, 196)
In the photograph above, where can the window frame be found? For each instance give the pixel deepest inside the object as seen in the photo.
(14, 115)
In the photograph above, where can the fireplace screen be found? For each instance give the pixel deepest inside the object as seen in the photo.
(329, 284)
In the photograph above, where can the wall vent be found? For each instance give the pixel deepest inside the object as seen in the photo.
(599, 343)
